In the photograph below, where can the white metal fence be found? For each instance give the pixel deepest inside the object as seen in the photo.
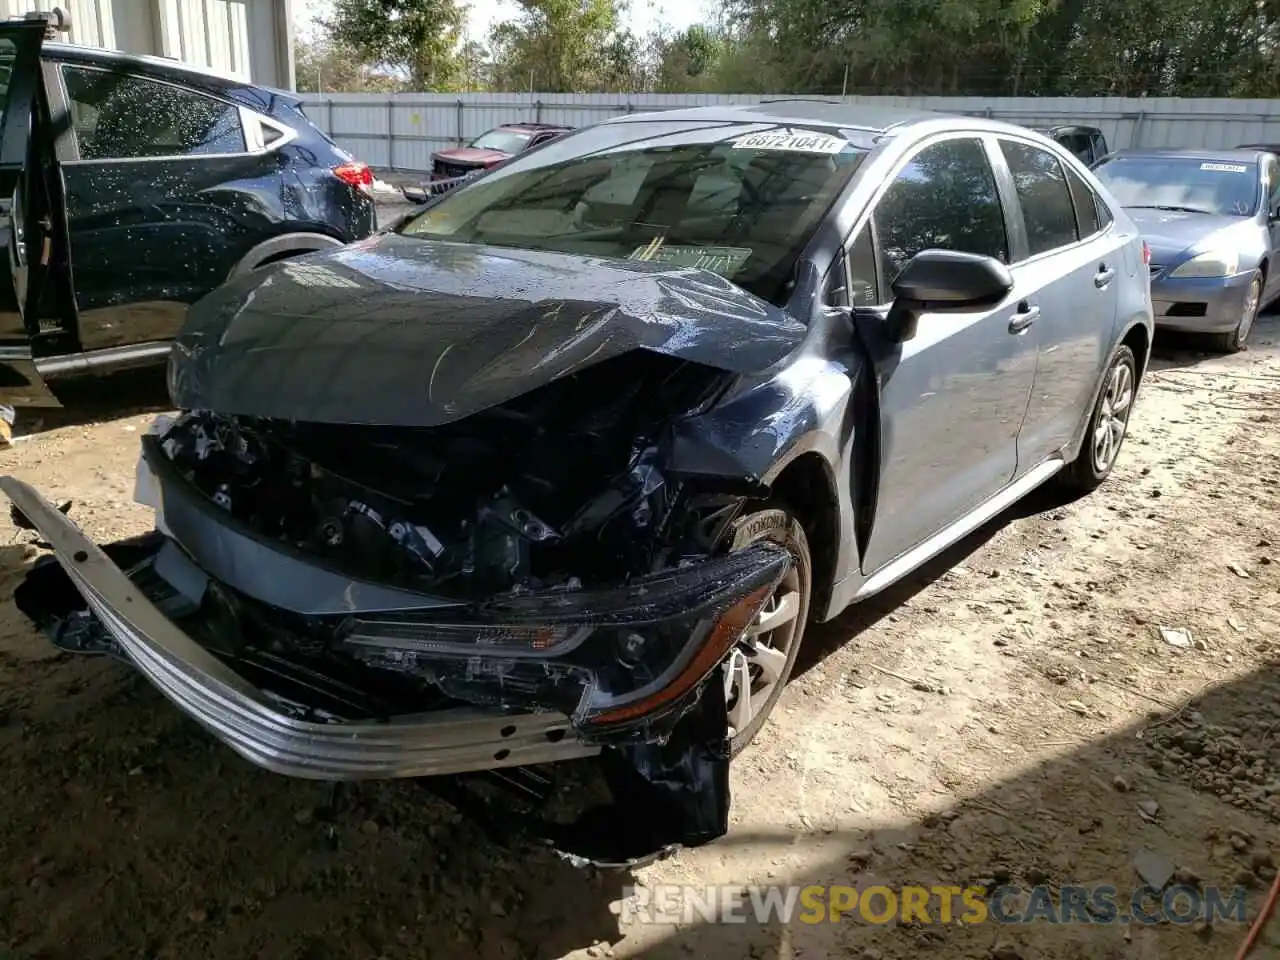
(401, 131)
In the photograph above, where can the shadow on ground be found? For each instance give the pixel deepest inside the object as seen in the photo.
(93, 399)
(1039, 826)
(1174, 349)
(135, 834)
(125, 831)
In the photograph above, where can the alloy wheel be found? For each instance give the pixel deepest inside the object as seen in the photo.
(1251, 302)
(757, 664)
(1113, 416)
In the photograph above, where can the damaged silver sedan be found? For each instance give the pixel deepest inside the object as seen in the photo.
(562, 466)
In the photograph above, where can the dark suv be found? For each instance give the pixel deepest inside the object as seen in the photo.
(139, 186)
(1087, 143)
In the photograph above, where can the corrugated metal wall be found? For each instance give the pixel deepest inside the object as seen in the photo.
(418, 123)
(92, 23)
(208, 33)
(211, 33)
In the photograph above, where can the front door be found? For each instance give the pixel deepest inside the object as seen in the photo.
(952, 397)
(20, 216)
(163, 198)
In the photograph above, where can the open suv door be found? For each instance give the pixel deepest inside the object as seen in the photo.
(28, 242)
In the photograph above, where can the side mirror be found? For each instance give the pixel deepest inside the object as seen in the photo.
(945, 280)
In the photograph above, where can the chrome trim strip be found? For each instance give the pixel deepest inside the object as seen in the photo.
(246, 719)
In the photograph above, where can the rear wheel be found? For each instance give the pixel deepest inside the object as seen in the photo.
(1108, 425)
(1234, 341)
(760, 665)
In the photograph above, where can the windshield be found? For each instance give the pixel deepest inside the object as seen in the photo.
(508, 141)
(1220, 187)
(741, 200)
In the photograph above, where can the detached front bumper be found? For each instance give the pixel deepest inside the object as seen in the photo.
(1199, 304)
(249, 721)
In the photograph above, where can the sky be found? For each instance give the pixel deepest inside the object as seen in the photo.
(642, 17)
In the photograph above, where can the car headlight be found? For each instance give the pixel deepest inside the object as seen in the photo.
(1211, 263)
(613, 659)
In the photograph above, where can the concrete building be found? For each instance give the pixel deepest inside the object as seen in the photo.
(252, 39)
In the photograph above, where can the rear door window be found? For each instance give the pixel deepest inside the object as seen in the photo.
(1043, 194)
(118, 116)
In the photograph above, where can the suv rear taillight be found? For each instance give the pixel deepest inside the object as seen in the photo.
(1146, 253)
(355, 173)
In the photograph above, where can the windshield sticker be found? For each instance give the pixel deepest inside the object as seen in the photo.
(791, 142)
(725, 261)
(1225, 167)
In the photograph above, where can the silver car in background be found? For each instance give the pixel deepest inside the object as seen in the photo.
(1212, 220)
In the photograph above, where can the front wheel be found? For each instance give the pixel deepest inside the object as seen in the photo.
(1234, 341)
(760, 665)
(1108, 425)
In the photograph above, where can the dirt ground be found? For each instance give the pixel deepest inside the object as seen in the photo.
(1012, 714)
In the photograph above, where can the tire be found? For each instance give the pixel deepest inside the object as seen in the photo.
(1234, 341)
(1089, 469)
(780, 526)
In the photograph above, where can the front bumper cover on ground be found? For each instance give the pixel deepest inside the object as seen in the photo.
(670, 788)
(245, 718)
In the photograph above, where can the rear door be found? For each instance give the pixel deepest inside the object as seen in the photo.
(1074, 264)
(20, 43)
(164, 195)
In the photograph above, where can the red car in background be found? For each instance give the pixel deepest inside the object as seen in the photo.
(492, 147)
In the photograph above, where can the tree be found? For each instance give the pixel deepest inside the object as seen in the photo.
(420, 39)
(564, 46)
(689, 60)
(322, 66)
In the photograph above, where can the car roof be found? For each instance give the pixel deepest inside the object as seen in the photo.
(1067, 128)
(159, 66)
(874, 121)
(532, 126)
(828, 113)
(1187, 153)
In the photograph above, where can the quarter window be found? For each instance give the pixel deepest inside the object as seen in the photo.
(944, 198)
(116, 117)
(1086, 204)
(1043, 194)
(1105, 217)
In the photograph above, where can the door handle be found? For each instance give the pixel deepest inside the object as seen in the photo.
(1103, 277)
(1023, 319)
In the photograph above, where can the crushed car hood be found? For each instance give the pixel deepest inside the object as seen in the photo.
(406, 332)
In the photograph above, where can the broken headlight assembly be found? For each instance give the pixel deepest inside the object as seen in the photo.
(614, 659)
